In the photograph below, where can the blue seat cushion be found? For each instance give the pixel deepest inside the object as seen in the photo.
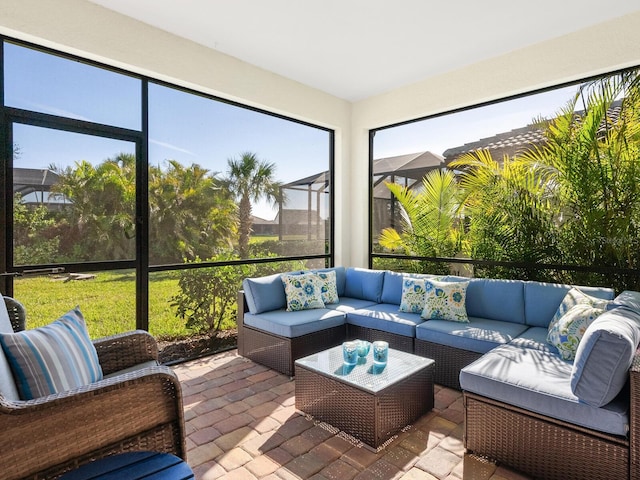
(541, 383)
(348, 304)
(295, 324)
(479, 335)
(536, 338)
(386, 317)
(364, 284)
(541, 300)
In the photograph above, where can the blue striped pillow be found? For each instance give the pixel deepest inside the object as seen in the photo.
(52, 359)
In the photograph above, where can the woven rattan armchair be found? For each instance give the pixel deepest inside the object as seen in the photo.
(17, 313)
(137, 406)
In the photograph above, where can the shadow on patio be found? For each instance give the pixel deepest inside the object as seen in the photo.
(241, 423)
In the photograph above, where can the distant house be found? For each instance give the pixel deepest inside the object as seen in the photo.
(407, 170)
(261, 226)
(34, 186)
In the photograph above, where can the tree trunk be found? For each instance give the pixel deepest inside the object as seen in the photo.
(245, 226)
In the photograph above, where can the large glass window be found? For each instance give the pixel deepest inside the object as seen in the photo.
(543, 186)
(74, 197)
(230, 182)
(46, 83)
(148, 224)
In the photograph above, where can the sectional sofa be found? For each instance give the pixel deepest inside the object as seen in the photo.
(525, 405)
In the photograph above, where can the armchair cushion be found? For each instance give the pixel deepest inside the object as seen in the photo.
(52, 359)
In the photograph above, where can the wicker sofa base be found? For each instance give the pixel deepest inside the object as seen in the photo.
(449, 361)
(398, 342)
(539, 446)
(280, 353)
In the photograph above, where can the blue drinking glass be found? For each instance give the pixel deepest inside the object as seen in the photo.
(350, 353)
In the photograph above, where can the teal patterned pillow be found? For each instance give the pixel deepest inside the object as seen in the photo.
(329, 289)
(445, 301)
(574, 297)
(303, 291)
(569, 329)
(414, 295)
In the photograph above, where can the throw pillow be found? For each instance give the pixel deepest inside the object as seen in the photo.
(414, 295)
(574, 297)
(52, 359)
(329, 289)
(303, 291)
(569, 329)
(445, 301)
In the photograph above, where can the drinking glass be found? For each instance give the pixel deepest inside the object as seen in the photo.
(350, 353)
(380, 352)
(363, 348)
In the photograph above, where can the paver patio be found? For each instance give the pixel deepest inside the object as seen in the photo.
(241, 423)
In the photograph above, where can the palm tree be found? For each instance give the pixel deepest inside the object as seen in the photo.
(591, 162)
(430, 218)
(191, 213)
(250, 179)
(508, 211)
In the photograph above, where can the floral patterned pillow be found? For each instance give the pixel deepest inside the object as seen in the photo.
(574, 297)
(445, 301)
(569, 329)
(303, 291)
(329, 288)
(413, 295)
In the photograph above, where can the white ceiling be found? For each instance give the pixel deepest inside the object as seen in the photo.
(355, 49)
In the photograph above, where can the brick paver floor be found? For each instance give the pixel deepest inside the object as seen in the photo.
(241, 423)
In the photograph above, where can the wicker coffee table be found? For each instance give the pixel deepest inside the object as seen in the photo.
(370, 405)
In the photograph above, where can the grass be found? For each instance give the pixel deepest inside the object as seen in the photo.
(106, 301)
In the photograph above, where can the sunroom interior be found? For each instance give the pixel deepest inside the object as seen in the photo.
(103, 31)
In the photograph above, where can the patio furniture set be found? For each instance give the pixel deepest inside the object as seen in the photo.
(549, 372)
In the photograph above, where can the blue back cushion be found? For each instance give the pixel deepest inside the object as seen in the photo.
(496, 299)
(392, 285)
(364, 284)
(604, 356)
(541, 300)
(264, 294)
(340, 277)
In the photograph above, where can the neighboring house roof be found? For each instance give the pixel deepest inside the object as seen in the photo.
(517, 140)
(508, 143)
(297, 217)
(413, 165)
(262, 221)
(27, 180)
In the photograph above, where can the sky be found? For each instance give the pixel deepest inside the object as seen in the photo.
(194, 129)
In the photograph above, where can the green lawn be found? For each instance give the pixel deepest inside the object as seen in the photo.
(107, 302)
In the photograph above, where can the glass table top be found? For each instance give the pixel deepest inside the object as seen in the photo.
(365, 374)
